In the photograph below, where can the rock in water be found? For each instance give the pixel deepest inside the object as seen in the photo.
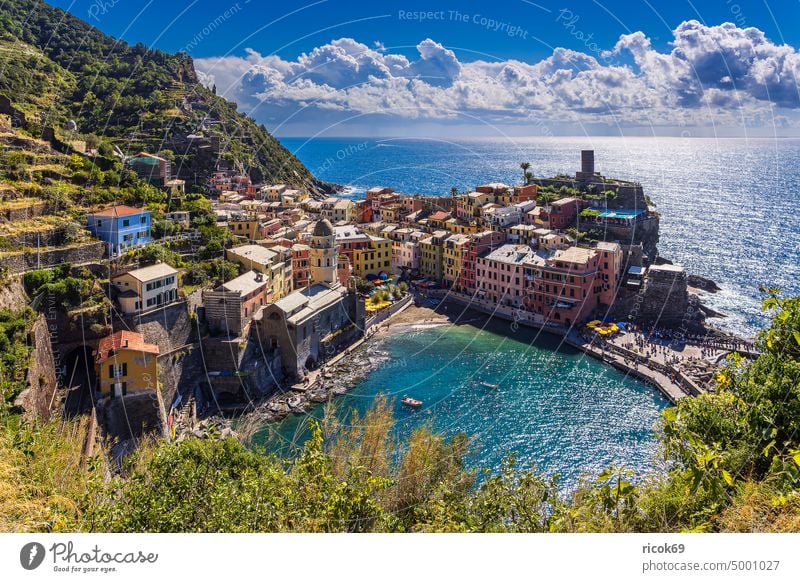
(703, 283)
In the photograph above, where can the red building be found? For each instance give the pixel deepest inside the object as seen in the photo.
(479, 243)
(363, 211)
(301, 266)
(562, 213)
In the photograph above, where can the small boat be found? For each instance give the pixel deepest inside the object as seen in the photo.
(412, 402)
(490, 385)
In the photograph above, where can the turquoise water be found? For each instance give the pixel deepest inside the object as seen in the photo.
(557, 410)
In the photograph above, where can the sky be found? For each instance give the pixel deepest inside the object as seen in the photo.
(518, 67)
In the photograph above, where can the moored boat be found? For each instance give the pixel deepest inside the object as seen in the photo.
(490, 385)
(412, 402)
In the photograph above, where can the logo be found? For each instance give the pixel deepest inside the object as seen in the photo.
(31, 555)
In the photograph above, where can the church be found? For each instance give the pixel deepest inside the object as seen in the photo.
(311, 325)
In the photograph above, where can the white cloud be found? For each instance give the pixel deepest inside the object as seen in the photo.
(711, 74)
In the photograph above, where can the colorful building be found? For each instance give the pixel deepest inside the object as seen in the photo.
(479, 244)
(301, 266)
(121, 227)
(124, 363)
(343, 211)
(431, 255)
(453, 252)
(374, 258)
(230, 307)
(565, 287)
(146, 288)
(153, 169)
(500, 274)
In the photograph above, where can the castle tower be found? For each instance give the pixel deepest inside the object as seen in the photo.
(323, 256)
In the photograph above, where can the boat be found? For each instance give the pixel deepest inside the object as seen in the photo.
(412, 402)
(490, 385)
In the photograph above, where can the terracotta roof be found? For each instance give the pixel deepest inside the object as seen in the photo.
(123, 339)
(119, 211)
(441, 215)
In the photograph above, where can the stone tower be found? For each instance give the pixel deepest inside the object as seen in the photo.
(323, 255)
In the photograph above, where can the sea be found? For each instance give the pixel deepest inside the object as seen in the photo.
(729, 207)
(728, 212)
(558, 411)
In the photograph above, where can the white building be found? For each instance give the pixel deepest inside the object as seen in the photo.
(147, 288)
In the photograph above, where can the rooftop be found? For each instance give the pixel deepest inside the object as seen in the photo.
(576, 255)
(256, 253)
(121, 210)
(348, 233)
(301, 305)
(512, 254)
(122, 339)
(245, 284)
(608, 246)
(564, 201)
(157, 271)
(666, 268)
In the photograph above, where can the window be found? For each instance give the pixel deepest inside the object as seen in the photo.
(117, 370)
(143, 220)
(126, 222)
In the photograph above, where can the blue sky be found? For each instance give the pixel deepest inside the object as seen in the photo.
(476, 67)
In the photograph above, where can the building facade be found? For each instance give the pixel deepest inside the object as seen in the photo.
(124, 363)
(146, 288)
(120, 227)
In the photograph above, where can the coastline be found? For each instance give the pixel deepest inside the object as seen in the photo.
(342, 373)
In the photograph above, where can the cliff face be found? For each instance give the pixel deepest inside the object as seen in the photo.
(57, 68)
(39, 397)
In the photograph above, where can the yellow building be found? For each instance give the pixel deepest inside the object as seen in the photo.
(373, 259)
(125, 363)
(452, 252)
(246, 227)
(343, 211)
(431, 255)
(473, 201)
(460, 227)
(282, 280)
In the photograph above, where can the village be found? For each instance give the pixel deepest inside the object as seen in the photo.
(299, 279)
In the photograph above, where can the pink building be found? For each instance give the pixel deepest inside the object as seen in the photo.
(479, 243)
(500, 274)
(610, 270)
(566, 287)
(405, 256)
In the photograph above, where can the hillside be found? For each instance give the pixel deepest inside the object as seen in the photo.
(56, 68)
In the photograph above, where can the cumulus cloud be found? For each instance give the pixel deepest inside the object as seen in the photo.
(711, 72)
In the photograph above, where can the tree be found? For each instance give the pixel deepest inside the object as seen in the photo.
(525, 166)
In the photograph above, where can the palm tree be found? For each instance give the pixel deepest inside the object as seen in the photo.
(528, 177)
(525, 166)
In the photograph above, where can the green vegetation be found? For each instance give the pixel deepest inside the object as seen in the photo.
(61, 68)
(14, 352)
(67, 289)
(734, 457)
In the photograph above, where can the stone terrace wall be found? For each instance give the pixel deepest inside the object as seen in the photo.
(26, 261)
(41, 378)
